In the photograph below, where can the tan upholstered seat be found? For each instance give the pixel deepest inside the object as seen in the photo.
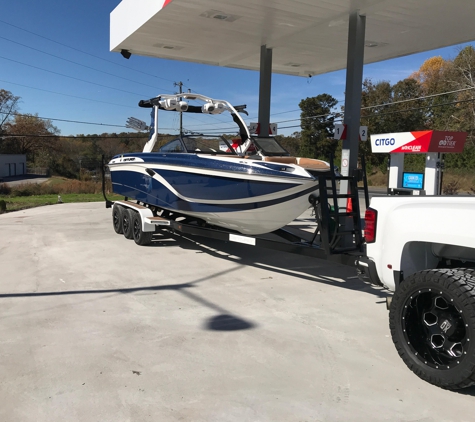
(312, 164)
(283, 160)
(306, 163)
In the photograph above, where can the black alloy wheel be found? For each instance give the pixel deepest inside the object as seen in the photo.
(432, 322)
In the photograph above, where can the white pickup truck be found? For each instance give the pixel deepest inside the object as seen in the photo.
(423, 250)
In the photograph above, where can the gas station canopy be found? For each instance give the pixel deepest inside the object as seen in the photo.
(307, 37)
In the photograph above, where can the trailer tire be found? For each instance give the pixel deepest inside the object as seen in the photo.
(432, 322)
(127, 218)
(117, 217)
(141, 238)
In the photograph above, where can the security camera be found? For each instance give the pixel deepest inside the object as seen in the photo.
(182, 106)
(168, 104)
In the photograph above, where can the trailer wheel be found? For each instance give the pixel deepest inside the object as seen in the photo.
(127, 218)
(140, 237)
(432, 322)
(117, 216)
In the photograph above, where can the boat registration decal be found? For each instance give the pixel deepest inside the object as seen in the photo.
(242, 239)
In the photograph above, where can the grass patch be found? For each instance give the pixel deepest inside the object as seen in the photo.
(16, 203)
(30, 195)
(55, 180)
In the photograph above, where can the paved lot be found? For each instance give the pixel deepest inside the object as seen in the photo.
(96, 328)
(20, 180)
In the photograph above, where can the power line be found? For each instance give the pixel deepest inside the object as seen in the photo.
(169, 80)
(286, 127)
(419, 108)
(67, 95)
(79, 137)
(378, 105)
(83, 65)
(85, 52)
(386, 104)
(419, 98)
(63, 120)
(72, 77)
(373, 115)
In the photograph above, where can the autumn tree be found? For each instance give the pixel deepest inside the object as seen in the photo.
(463, 79)
(8, 106)
(30, 135)
(434, 78)
(317, 122)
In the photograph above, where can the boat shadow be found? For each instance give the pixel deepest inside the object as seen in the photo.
(294, 265)
(273, 262)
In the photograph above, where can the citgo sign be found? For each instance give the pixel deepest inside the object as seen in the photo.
(419, 142)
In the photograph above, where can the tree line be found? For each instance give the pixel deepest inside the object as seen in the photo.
(439, 96)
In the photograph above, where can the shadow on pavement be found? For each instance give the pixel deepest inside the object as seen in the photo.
(307, 268)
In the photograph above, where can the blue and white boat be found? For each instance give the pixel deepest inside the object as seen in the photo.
(253, 189)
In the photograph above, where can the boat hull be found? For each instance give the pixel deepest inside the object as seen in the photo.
(243, 195)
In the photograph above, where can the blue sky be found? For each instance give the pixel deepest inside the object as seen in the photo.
(55, 56)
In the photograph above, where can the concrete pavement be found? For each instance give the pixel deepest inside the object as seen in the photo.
(23, 179)
(96, 328)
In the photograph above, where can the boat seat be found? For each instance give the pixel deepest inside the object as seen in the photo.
(312, 164)
(306, 163)
(232, 156)
(283, 160)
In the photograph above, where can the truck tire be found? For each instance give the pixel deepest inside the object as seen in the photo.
(469, 271)
(127, 218)
(432, 322)
(140, 237)
(117, 216)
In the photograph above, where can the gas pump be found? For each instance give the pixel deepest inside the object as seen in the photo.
(431, 143)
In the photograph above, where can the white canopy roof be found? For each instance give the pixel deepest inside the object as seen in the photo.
(307, 37)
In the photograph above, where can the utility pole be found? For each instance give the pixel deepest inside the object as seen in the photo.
(180, 85)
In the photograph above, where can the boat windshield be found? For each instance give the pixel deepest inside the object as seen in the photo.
(270, 147)
(202, 144)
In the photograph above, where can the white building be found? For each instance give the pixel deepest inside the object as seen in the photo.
(12, 165)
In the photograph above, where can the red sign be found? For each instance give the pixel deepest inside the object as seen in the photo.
(447, 141)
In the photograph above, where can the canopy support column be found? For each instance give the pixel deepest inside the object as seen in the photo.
(265, 80)
(354, 81)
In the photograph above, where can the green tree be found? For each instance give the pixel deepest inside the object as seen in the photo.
(375, 109)
(389, 108)
(317, 122)
(408, 114)
(291, 143)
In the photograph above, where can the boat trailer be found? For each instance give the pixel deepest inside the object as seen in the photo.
(337, 236)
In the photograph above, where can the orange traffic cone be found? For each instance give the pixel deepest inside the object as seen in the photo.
(349, 204)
